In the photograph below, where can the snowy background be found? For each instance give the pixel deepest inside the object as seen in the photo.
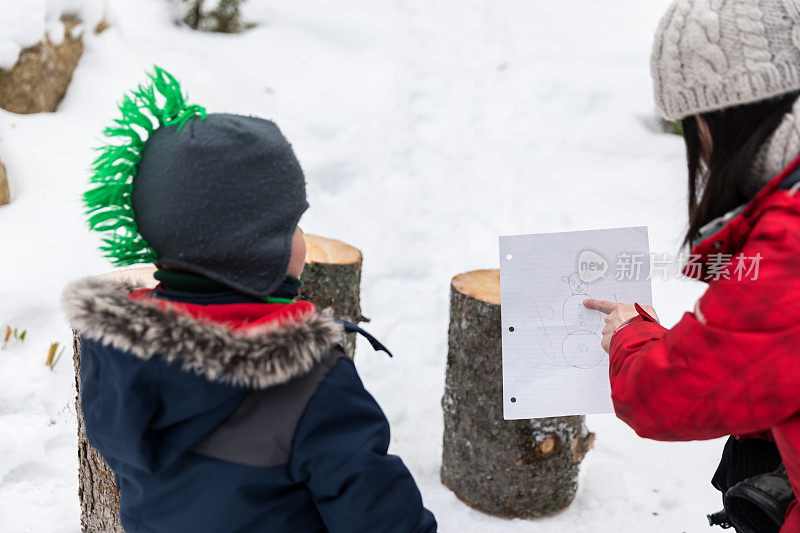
(426, 129)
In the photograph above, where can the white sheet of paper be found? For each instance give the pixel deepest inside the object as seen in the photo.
(553, 364)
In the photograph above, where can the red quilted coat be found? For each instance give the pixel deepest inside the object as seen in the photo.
(733, 365)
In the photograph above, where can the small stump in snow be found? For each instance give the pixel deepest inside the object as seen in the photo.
(510, 468)
(332, 278)
(39, 80)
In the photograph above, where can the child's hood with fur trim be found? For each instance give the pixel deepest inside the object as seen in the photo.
(270, 351)
(226, 418)
(163, 379)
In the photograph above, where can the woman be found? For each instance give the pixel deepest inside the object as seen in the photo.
(730, 70)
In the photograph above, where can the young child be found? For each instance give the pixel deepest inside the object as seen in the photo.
(219, 402)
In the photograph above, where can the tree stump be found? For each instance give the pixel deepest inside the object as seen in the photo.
(41, 76)
(98, 494)
(5, 194)
(332, 278)
(510, 468)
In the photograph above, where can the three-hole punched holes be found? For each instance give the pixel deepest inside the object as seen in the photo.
(511, 329)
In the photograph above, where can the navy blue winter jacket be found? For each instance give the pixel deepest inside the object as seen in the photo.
(213, 428)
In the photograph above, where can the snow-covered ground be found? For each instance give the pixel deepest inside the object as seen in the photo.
(23, 24)
(426, 129)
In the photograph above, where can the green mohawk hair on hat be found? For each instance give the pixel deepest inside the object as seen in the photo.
(160, 102)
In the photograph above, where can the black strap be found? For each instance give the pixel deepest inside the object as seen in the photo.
(349, 327)
(719, 519)
(791, 180)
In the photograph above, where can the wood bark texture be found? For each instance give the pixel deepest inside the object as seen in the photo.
(510, 468)
(332, 278)
(98, 494)
(97, 491)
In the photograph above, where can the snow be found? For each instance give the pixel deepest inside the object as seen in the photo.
(426, 130)
(24, 24)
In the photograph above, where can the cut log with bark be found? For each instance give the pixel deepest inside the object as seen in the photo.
(332, 278)
(510, 468)
(5, 193)
(39, 80)
(98, 494)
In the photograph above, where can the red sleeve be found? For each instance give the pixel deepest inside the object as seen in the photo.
(732, 367)
(699, 382)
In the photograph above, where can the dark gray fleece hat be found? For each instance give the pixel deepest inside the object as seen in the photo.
(221, 197)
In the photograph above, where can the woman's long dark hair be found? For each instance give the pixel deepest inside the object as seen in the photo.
(737, 133)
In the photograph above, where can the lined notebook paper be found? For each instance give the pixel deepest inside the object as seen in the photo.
(553, 364)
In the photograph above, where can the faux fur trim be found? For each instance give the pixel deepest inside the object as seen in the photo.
(263, 356)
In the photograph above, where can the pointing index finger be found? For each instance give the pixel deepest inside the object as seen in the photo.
(603, 306)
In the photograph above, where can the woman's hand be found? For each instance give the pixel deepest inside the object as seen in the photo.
(618, 314)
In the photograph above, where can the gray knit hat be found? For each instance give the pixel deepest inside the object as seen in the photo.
(713, 54)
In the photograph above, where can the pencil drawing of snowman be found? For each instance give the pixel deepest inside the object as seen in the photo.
(580, 346)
